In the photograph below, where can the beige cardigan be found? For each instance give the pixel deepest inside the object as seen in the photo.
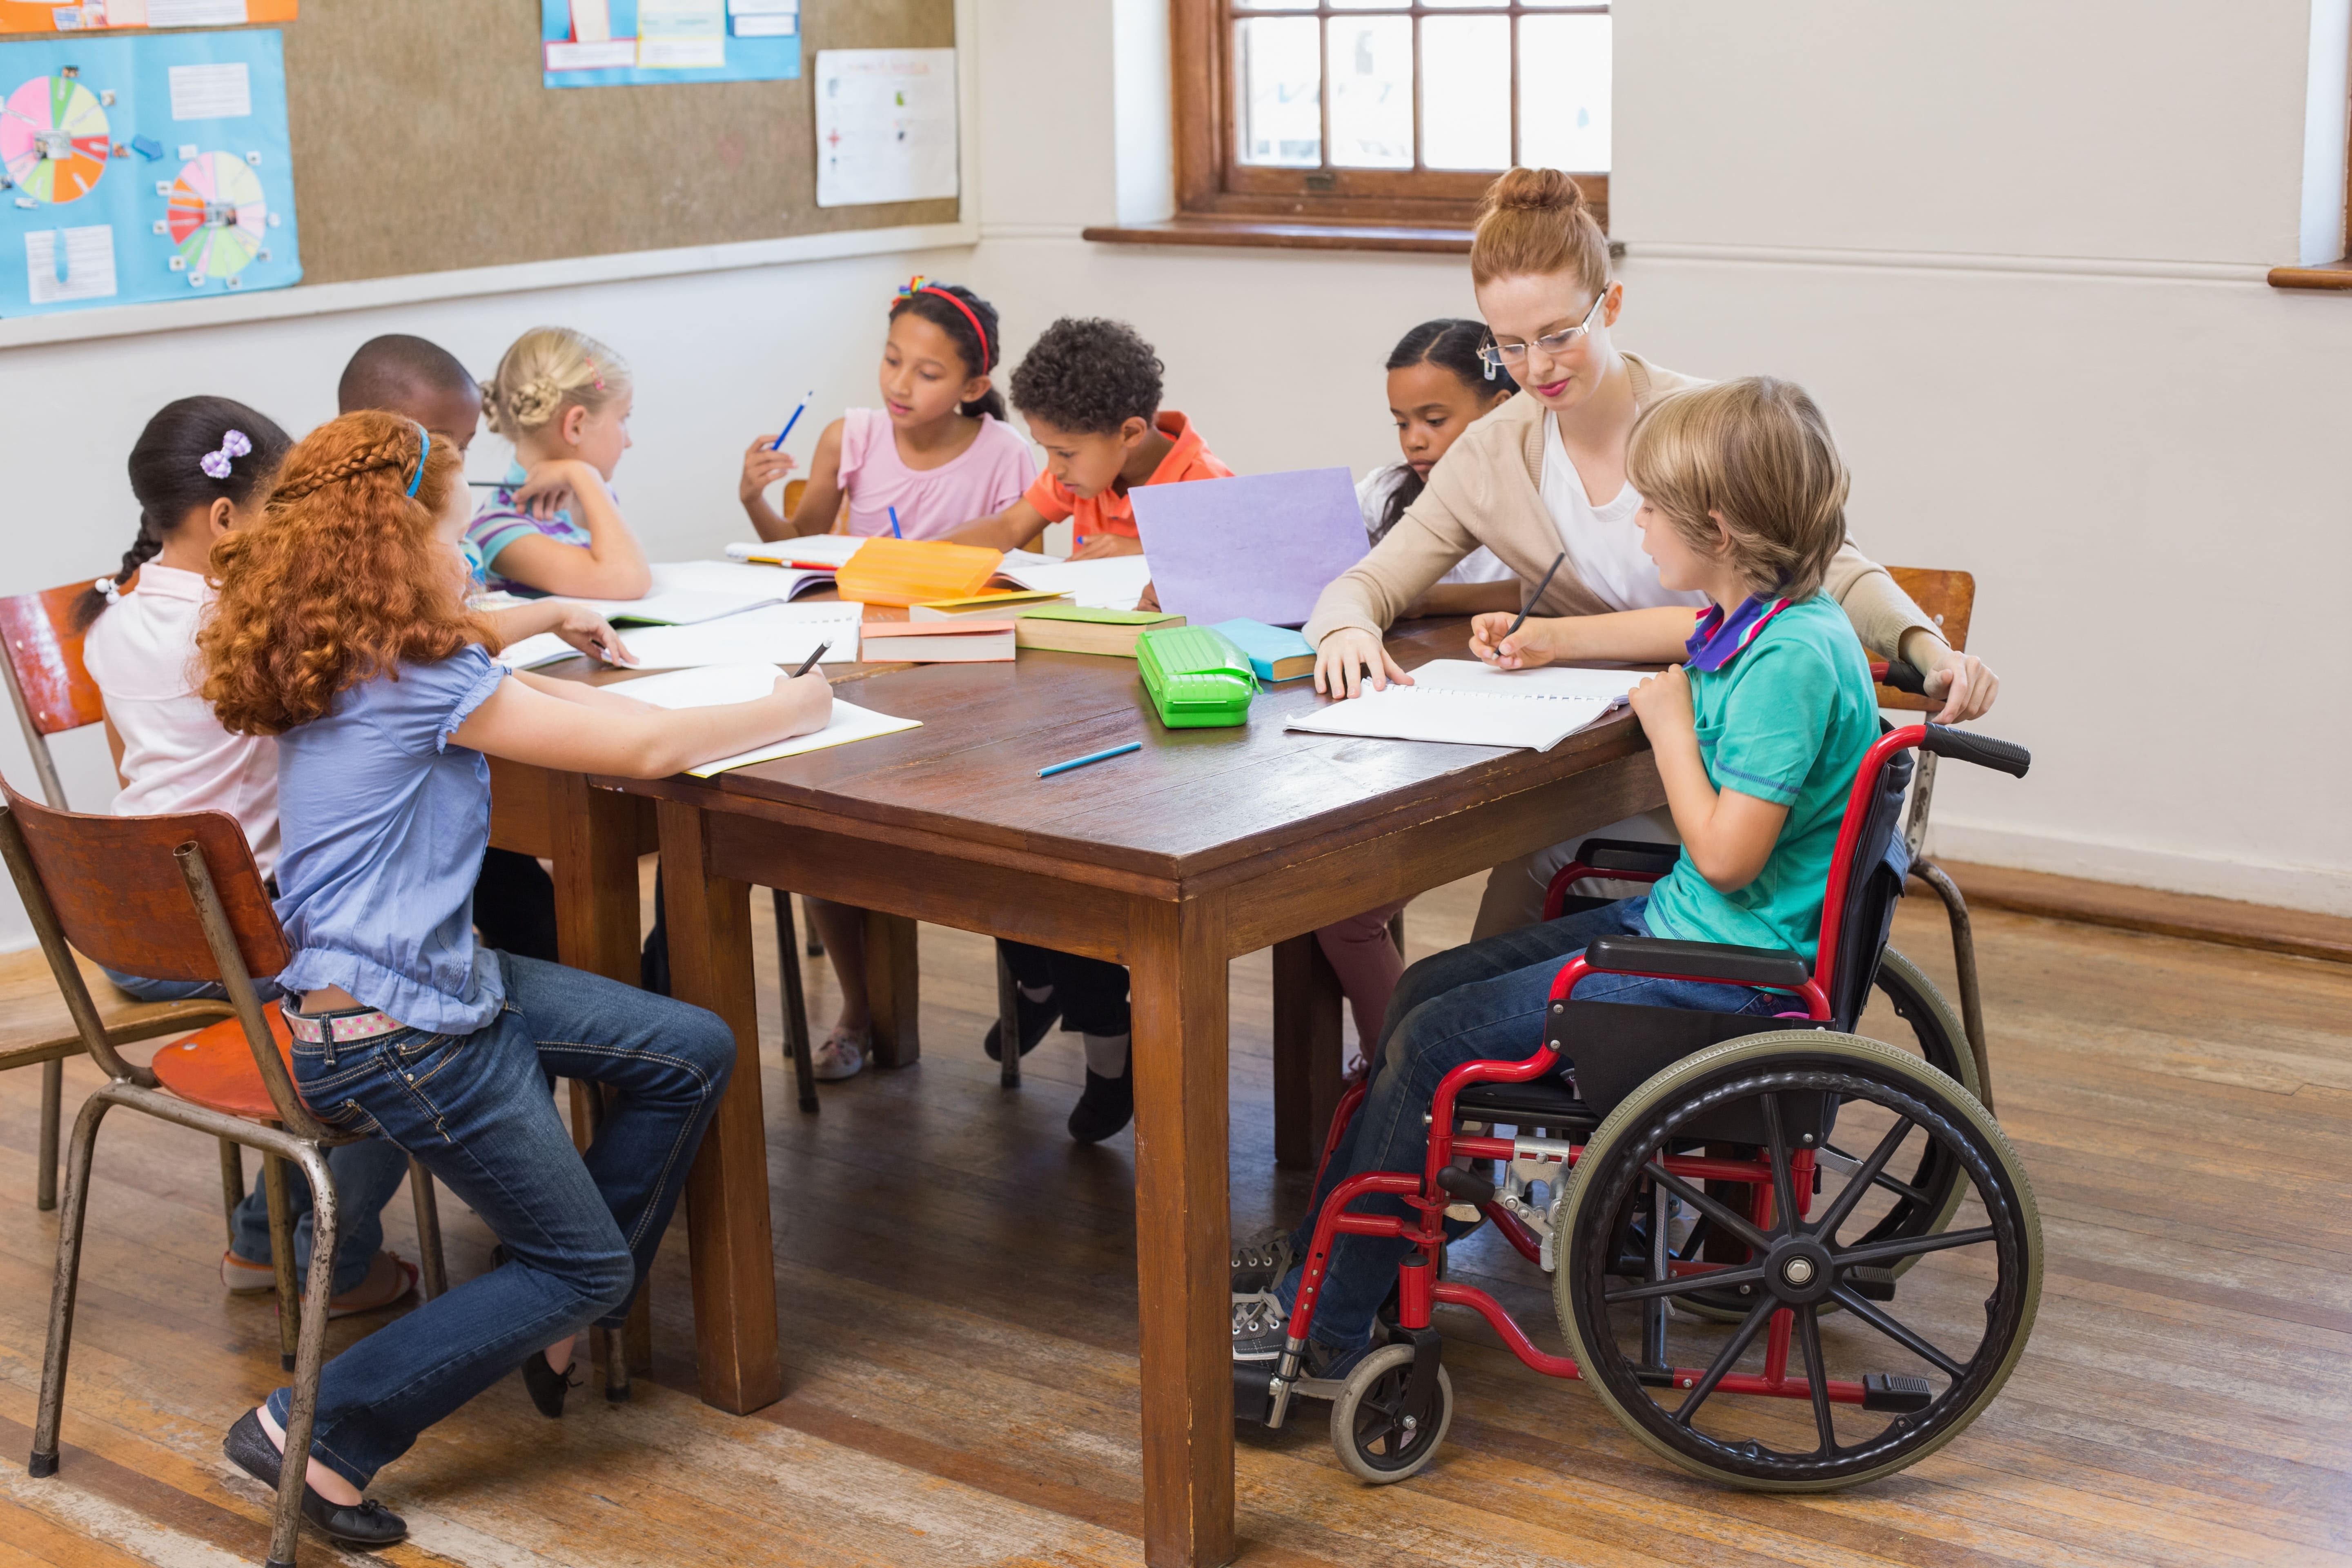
(1488, 490)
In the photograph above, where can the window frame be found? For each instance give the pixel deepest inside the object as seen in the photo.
(1211, 182)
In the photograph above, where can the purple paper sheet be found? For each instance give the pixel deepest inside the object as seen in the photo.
(1262, 545)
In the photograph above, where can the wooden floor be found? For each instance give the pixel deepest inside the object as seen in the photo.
(957, 1285)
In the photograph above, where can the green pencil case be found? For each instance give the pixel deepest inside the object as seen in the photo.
(1196, 678)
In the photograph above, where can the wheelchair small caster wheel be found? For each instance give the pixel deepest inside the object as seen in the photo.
(1379, 1437)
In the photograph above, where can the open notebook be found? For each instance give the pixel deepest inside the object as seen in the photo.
(711, 685)
(1470, 704)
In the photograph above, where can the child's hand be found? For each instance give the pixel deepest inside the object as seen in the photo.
(592, 634)
(1663, 704)
(546, 490)
(1523, 649)
(1150, 599)
(762, 469)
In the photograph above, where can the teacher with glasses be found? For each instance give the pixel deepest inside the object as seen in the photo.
(1546, 473)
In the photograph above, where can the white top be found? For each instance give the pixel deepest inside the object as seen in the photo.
(142, 654)
(1372, 492)
(1603, 542)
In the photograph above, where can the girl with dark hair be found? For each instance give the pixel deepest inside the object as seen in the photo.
(937, 454)
(1437, 388)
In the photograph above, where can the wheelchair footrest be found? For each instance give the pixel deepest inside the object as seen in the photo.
(1254, 1392)
(1872, 1284)
(1893, 1392)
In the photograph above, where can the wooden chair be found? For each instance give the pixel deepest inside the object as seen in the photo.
(1948, 598)
(53, 693)
(180, 897)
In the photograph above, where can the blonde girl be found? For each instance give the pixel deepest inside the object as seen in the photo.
(563, 400)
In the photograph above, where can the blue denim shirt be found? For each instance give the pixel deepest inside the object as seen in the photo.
(384, 824)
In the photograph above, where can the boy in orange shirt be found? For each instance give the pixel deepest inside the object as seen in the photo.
(1090, 391)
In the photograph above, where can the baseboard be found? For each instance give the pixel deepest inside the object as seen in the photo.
(2235, 880)
(2231, 921)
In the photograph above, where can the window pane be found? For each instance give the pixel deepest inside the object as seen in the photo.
(1273, 5)
(1280, 89)
(1466, 92)
(1564, 93)
(1372, 4)
(1371, 74)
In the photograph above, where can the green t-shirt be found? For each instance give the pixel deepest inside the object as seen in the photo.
(1786, 721)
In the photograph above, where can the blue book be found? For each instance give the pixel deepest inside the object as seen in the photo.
(1276, 653)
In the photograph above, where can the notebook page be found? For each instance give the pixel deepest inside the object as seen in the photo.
(850, 722)
(1457, 718)
(1552, 680)
(777, 633)
(1105, 583)
(712, 684)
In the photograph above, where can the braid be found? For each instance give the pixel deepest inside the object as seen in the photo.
(390, 453)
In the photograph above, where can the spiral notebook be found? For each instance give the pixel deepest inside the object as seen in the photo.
(1465, 704)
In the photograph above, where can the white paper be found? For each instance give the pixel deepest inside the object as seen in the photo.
(530, 652)
(126, 13)
(763, 7)
(190, 14)
(886, 125)
(1552, 680)
(711, 686)
(614, 54)
(213, 91)
(778, 26)
(1105, 583)
(779, 635)
(89, 264)
(681, 35)
(833, 549)
(592, 21)
(675, 606)
(1456, 717)
(850, 722)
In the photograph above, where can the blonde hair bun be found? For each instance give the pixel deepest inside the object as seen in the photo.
(548, 369)
(1533, 223)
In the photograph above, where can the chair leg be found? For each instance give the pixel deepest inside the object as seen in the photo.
(310, 1352)
(43, 1460)
(53, 1094)
(796, 1024)
(433, 1275)
(1396, 932)
(1964, 966)
(281, 1256)
(816, 948)
(1008, 1022)
(231, 1157)
(611, 1346)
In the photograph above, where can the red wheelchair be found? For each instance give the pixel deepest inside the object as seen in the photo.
(1727, 1204)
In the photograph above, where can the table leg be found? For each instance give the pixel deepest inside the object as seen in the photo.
(710, 919)
(1176, 956)
(594, 839)
(1308, 1046)
(893, 989)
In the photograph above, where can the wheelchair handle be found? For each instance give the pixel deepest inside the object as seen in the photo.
(1904, 678)
(1983, 749)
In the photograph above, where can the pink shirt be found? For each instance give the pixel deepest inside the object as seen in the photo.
(176, 756)
(989, 476)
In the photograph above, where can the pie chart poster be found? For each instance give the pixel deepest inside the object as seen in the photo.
(145, 168)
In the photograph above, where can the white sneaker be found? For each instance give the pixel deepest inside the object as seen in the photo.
(840, 1055)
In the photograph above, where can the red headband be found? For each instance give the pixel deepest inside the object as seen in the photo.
(920, 286)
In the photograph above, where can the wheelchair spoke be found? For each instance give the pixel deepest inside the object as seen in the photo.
(1903, 1190)
(1784, 1190)
(1816, 1375)
(1869, 1313)
(1726, 1359)
(1912, 1246)
(1685, 1284)
(1860, 1182)
(1731, 1220)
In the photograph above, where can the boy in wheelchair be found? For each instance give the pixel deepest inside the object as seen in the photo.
(1757, 732)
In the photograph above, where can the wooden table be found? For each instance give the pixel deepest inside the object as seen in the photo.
(1206, 845)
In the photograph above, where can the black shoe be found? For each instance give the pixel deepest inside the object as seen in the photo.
(547, 1386)
(248, 1448)
(1261, 1265)
(1108, 1105)
(1036, 1019)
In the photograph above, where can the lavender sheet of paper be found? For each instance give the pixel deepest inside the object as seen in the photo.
(1262, 545)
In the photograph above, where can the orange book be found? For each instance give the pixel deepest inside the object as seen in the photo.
(916, 571)
(936, 642)
(21, 17)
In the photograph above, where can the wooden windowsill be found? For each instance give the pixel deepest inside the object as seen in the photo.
(2334, 275)
(1262, 232)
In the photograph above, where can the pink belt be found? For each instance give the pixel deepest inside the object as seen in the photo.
(345, 1026)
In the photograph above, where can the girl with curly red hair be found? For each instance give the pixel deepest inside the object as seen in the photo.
(342, 629)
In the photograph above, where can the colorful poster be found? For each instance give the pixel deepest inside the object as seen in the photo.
(632, 43)
(108, 15)
(148, 168)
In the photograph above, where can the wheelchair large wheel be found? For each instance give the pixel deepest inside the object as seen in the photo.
(1917, 1195)
(1379, 1436)
(1792, 1398)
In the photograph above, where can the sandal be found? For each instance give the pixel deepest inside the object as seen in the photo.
(840, 1055)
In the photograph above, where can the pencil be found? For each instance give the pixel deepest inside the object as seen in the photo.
(810, 662)
(1532, 599)
(1089, 757)
(778, 443)
(894, 524)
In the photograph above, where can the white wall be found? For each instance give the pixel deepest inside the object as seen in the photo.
(2016, 250)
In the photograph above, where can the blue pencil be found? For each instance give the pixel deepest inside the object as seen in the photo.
(778, 443)
(1091, 757)
(894, 524)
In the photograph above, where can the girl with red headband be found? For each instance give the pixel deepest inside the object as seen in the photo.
(935, 454)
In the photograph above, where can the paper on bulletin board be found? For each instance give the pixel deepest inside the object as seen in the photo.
(634, 43)
(885, 126)
(140, 168)
(95, 15)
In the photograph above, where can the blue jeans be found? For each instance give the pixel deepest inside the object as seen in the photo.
(580, 1230)
(1483, 1002)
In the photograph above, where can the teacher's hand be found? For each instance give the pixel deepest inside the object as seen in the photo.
(1965, 682)
(1523, 649)
(1351, 659)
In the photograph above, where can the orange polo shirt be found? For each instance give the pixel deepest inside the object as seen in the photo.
(1112, 511)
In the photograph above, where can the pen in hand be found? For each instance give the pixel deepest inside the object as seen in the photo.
(810, 663)
(1529, 608)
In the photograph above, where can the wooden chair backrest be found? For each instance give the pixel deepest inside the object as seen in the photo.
(120, 897)
(1947, 598)
(796, 489)
(44, 668)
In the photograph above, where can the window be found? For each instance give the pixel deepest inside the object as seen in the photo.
(1384, 111)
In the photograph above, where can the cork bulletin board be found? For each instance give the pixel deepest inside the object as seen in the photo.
(423, 142)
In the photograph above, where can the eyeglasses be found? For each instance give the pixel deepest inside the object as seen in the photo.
(1510, 356)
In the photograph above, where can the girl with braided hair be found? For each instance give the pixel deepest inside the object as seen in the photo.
(342, 629)
(563, 400)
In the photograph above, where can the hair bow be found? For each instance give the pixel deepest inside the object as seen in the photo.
(596, 375)
(913, 286)
(108, 589)
(233, 446)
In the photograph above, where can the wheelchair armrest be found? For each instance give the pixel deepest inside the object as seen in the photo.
(1715, 961)
(1632, 857)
